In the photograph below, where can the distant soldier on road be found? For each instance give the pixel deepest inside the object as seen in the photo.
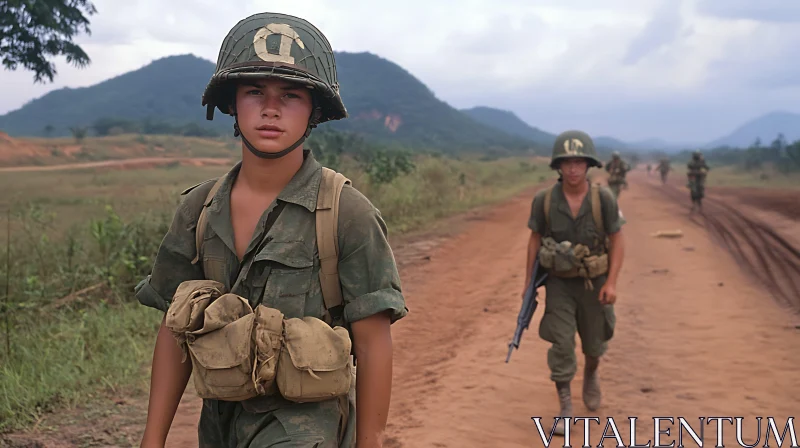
(649, 168)
(664, 168)
(576, 234)
(696, 174)
(617, 170)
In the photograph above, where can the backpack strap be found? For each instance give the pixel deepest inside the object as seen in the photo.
(327, 227)
(548, 198)
(202, 221)
(597, 211)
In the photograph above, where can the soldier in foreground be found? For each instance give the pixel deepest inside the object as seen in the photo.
(576, 232)
(664, 169)
(696, 174)
(617, 171)
(244, 255)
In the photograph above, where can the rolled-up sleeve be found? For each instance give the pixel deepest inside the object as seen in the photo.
(536, 221)
(173, 263)
(367, 269)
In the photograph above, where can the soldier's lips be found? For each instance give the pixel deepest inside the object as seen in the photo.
(269, 133)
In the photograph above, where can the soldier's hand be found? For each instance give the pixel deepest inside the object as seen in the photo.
(608, 294)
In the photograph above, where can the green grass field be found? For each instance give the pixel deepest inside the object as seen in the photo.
(72, 230)
(729, 176)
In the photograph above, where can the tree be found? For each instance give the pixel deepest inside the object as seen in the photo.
(79, 133)
(31, 31)
(778, 145)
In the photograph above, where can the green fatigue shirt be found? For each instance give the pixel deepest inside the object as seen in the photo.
(695, 168)
(580, 230)
(280, 267)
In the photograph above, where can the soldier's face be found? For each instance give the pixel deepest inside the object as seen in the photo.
(573, 170)
(273, 114)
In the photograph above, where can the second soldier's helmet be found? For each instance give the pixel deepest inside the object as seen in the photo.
(615, 155)
(571, 144)
(271, 45)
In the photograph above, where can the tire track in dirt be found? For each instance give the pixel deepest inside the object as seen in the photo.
(762, 252)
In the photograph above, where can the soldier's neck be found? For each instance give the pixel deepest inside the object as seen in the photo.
(268, 176)
(575, 190)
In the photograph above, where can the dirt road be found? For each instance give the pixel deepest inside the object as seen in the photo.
(696, 335)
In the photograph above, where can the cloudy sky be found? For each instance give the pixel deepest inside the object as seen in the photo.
(680, 70)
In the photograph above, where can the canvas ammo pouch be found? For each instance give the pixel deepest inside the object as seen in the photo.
(216, 329)
(560, 258)
(268, 343)
(239, 353)
(222, 351)
(187, 311)
(596, 265)
(568, 261)
(547, 253)
(315, 362)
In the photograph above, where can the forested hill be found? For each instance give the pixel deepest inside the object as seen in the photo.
(385, 103)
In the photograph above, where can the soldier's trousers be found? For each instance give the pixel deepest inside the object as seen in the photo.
(226, 424)
(571, 308)
(615, 188)
(698, 189)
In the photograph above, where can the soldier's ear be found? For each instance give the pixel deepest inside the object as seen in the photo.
(230, 96)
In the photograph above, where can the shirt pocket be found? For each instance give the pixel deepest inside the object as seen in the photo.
(290, 267)
(560, 229)
(215, 266)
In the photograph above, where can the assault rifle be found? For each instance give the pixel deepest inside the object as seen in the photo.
(529, 303)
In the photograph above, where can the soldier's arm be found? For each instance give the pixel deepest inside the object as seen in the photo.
(616, 256)
(534, 242)
(169, 375)
(536, 223)
(373, 301)
(613, 222)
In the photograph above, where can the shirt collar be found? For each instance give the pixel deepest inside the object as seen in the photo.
(301, 190)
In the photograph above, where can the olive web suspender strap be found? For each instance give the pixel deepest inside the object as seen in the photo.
(202, 221)
(327, 226)
(597, 211)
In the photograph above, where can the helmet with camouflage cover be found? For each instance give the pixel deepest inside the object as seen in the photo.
(615, 155)
(272, 45)
(697, 155)
(571, 144)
